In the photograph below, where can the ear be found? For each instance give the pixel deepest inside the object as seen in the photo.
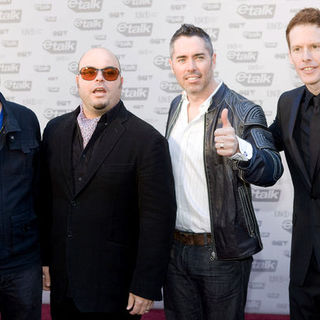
(290, 57)
(171, 66)
(77, 80)
(214, 59)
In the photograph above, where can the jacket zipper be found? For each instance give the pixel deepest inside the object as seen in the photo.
(213, 245)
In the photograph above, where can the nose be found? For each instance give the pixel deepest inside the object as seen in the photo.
(99, 76)
(306, 54)
(191, 65)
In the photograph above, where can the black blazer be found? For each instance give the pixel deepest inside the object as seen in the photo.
(306, 211)
(113, 236)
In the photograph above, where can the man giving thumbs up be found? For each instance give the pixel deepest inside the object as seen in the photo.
(219, 144)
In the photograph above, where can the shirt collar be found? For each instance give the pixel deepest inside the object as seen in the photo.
(106, 117)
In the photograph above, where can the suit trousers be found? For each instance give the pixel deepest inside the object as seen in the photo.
(67, 310)
(197, 288)
(305, 299)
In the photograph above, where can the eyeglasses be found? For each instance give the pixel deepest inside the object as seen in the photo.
(108, 73)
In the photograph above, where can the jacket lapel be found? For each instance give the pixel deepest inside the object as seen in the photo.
(105, 144)
(66, 148)
(293, 148)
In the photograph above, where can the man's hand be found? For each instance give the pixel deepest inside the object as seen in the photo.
(46, 279)
(225, 138)
(138, 305)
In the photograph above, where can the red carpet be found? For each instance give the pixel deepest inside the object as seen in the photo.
(159, 315)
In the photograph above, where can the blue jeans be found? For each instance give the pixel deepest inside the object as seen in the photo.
(197, 288)
(21, 294)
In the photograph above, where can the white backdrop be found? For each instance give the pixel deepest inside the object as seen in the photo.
(41, 42)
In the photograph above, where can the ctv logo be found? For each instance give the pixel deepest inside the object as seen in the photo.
(88, 24)
(135, 29)
(162, 62)
(263, 11)
(266, 195)
(264, 265)
(242, 56)
(10, 16)
(135, 94)
(255, 79)
(18, 85)
(170, 87)
(9, 67)
(252, 34)
(138, 3)
(85, 5)
(62, 46)
(211, 6)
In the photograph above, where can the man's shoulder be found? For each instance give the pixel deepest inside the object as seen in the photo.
(292, 93)
(19, 111)
(60, 120)
(140, 126)
(19, 116)
(247, 111)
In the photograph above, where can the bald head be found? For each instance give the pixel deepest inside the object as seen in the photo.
(98, 52)
(98, 94)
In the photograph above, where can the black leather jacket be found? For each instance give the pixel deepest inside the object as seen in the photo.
(233, 223)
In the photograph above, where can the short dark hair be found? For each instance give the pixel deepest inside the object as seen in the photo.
(189, 30)
(303, 17)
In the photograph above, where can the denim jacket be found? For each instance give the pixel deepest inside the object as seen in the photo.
(19, 146)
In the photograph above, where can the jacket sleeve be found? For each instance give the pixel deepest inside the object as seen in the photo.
(265, 166)
(157, 208)
(275, 129)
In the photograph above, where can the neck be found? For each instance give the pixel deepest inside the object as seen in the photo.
(197, 99)
(314, 89)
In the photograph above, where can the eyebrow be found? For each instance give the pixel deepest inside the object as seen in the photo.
(195, 55)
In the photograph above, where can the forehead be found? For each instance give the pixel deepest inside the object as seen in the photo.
(304, 33)
(98, 58)
(189, 46)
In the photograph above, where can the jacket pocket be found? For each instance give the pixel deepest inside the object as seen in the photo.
(24, 232)
(20, 156)
(248, 211)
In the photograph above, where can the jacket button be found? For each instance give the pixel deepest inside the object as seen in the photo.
(73, 203)
(69, 235)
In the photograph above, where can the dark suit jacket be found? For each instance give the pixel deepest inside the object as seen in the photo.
(113, 236)
(306, 212)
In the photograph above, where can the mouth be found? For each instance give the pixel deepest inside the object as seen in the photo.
(308, 68)
(192, 77)
(99, 90)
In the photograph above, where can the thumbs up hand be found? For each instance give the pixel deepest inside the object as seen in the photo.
(225, 138)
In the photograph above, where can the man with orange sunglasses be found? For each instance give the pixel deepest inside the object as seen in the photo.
(108, 202)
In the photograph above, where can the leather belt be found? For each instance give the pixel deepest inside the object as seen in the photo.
(193, 239)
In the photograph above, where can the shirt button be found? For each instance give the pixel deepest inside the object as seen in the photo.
(11, 137)
(69, 235)
(80, 179)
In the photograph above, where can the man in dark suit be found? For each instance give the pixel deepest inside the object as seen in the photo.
(296, 131)
(20, 267)
(109, 197)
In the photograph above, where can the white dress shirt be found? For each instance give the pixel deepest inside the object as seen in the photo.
(186, 149)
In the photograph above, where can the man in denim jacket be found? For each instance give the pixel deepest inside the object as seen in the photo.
(20, 269)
